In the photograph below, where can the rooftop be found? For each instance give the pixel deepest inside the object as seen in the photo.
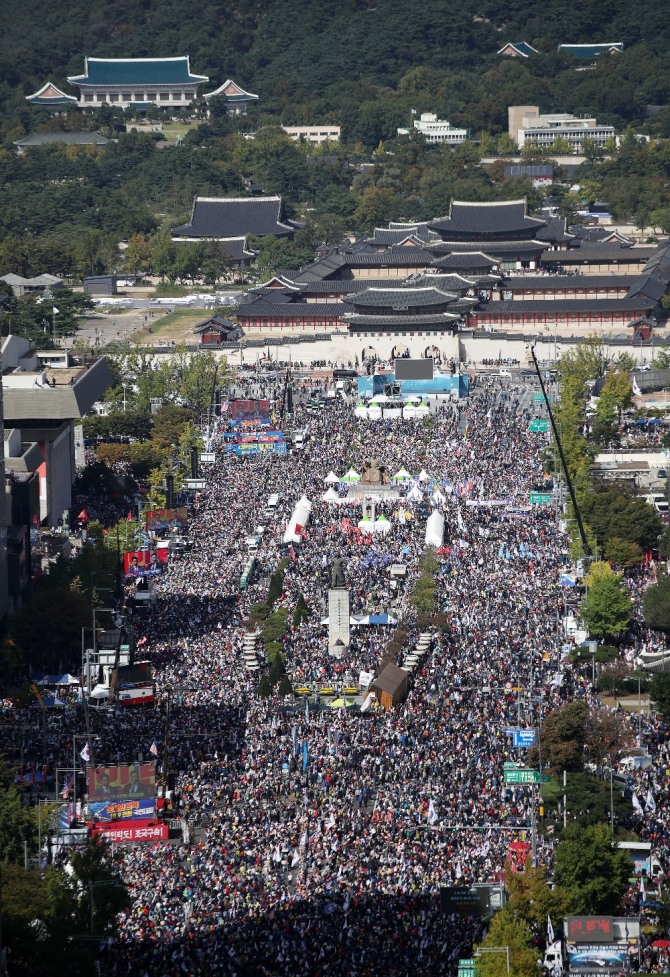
(232, 92)
(235, 217)
(522, 48)
(74, 393)
(137, 71)
(62, 138)
(50, 94)
(406, 296)
(567, 306)
(589, 51)
(497, 218)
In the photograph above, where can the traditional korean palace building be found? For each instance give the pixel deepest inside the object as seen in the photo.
(137, 82)
(492, 267)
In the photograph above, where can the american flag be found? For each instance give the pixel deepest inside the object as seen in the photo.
(153, 749)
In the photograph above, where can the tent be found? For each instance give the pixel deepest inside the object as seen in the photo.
(332, 496)
(338, 703)
(366, 525)
(434, 529)
(360, 410)
(331, 478)
(382, 525)
(351, 476)
(65, 679)
(52, 701)
(298, 521)
(402, 475)
(414, 494)
(438, 498)
(424, 476)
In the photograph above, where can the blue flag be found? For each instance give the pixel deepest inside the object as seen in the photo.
(305, 755)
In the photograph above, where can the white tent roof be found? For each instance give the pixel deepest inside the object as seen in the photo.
(424, 476)
(435, 529)
(331, 496)
(437, 496)
(351, 476)
(403, 473)
(414, 493)
(331, 478)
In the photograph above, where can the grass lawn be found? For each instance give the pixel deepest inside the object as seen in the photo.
(174, 327)
(173, 130)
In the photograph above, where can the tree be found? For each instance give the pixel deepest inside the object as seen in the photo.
(612, 511)
(659, 693)
(607, 608)
(656, 604)
(531, 899)
(507, 933)
(595, 873)
(563, 736)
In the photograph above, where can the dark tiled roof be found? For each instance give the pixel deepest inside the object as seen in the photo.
(391, 298)
(649, 287)
(582, 233)
(217, 324)
(561, 282)
(330, 264)
(587, 52)
(556, 231)
(269, 310)
(391, 258)
(236, 217)
(490, 247)
(63, 138)
(393, 235)
(326, 287)
(565, 306)
(508, 217)
(591, 254)
(137, 71)
(450, 283)
(466, 260)
(412, 323)
(523, 48)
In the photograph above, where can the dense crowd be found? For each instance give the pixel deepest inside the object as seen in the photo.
(321, 837)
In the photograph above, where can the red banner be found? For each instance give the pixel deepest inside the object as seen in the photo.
(132, 831)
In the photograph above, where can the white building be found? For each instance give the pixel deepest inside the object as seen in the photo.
(315, 135)
(437, 130)
(528, 127)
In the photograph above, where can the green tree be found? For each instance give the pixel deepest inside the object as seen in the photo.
(659, 693)
(563, 737)
(507, 932)
(607, 607)
(656, 604)
(532, 899)
(595, 873)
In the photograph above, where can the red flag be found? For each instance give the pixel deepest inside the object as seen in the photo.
(83, 516)
(129, 517)
(291, 551)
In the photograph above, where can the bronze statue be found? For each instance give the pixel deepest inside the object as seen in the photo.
(337, 581)
(374, 473)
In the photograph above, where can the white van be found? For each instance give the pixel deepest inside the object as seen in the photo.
(272, 502)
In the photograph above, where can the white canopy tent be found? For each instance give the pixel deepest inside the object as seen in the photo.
(435, 529)
(402, 475)
(298, 521)
(424, 476)
(332, 496)
(415, 494)
(351, 476)
(331, 478)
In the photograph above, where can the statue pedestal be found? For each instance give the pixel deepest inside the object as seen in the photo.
(338, 619)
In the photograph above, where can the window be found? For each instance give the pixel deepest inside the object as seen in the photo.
(88, 98)
(176, 96)
(151, 96)
(138, 96)
(189, 95)
(126, 96)
(100, 97)
(165, 96)
(114, 96)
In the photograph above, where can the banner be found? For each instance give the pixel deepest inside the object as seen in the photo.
(364, 679)
(128, 809)
(597, 957)
(132, 831)
(123, 780)
(138, 695)
(246, 409)
(140, 563)
(166, 518)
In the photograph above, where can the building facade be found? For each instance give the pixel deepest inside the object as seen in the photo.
(137, 82)
(314, 135)
(436, 130)
(527, 127)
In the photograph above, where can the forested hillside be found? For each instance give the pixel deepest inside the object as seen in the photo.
(363, 64)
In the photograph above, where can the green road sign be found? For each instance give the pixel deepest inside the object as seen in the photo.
(522, 775)
(466, 967)
(540, 498)
(539, 426)
(538, 397)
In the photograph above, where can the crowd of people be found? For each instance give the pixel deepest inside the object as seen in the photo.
(321, 837)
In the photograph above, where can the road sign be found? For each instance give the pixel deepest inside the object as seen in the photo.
(539, 426)
(523, 739)
(522, 775)
(538, 397)
(466, 967)
(540, 498)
